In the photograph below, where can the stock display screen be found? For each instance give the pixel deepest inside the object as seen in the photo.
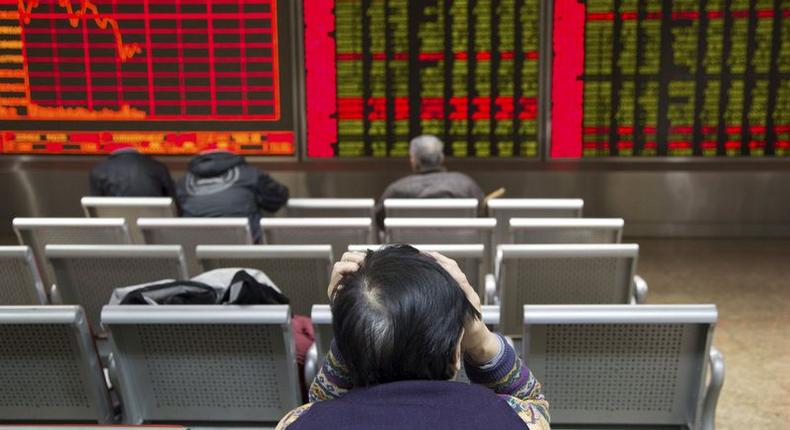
(167, 76)
(381, 71)
(670, 78)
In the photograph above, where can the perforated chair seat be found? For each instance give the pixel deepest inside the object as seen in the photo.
(87, 275)
(562, 274)
(566, 230)
(203, 364)
(20, 282)
(191, 232)
(129, 208)
(621, 366)
(430, 208)
(49, 369)
(37, 233)
(327, 207)
(505, 209)
(300, 271)
(337, 232)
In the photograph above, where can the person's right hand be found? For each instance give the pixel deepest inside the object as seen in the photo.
(349, 263)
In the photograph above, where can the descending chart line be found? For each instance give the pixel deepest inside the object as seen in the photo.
(124, 51)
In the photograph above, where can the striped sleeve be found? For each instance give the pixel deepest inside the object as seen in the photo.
(509, 377)
(332, 380)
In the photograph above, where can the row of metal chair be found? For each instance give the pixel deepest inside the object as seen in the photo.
(337, 232)
(502, 210)
(601, 365)
(524, 274)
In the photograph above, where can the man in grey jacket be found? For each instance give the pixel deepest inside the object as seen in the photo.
(430, 180)
(222, 184)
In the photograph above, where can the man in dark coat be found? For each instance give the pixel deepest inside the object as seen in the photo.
(222, 184)
(430, 179)
(128, 173)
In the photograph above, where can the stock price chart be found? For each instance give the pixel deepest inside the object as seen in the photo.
(683, 78)
(167, 76)
(379, 72)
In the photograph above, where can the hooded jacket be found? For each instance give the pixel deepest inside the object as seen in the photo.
(222, 184)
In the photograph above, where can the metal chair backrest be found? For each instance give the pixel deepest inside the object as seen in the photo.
(129, 208)
(562, 274)
(430, 208)
(337, 232)
(617, 366)
(504, 209)
(203, 364)
(50, 369)
(439, 230)
(191, 232)
(87, 275)
(326, 208)
(301, 272)
(566, 230)
(37, 233)
(20, 282)
(470, 257)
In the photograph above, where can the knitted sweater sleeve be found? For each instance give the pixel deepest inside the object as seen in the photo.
(507, 375)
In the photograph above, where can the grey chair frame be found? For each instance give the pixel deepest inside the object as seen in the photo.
(22, 257)
(635, 287)
(126, 359)
(329, 207)
(130, 208)
(395, 226)
(68, 293)
(89, 367)
(153, 227)
(699, 359)
(567, 230)
(431, 208)
(301, 296)
(28, 231)
(505, 209)
(362, 225)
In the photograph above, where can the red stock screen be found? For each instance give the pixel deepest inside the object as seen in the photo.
(167, 76)
(379, 72)
(671, 78)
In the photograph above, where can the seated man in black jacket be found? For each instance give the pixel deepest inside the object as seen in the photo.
(222, 184)
(128, 173)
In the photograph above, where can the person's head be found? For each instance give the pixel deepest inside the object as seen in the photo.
(399, 317)
(426, 152)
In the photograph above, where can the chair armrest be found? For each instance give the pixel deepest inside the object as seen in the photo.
(311, 365)
(712, 391)
(490, 297)
(54, 295)
(640, 290)
(112, 372)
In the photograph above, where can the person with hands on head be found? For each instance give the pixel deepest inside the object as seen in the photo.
(403, 321)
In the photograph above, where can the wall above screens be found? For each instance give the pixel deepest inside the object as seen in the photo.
(682, 78)
(380, 72)
(83, 77)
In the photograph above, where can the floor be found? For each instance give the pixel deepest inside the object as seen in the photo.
(749, 281)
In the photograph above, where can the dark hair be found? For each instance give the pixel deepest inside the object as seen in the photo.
(399, 317)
